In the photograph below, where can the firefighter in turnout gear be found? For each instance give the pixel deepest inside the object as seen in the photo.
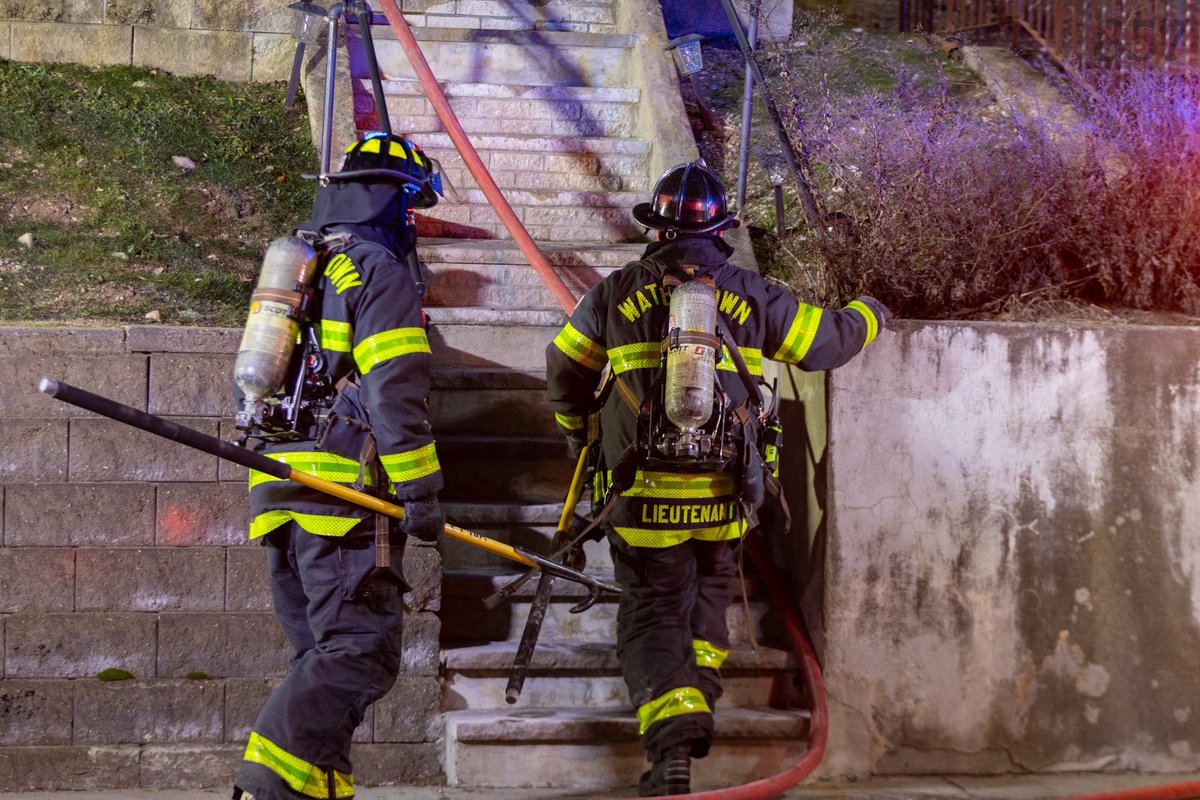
(335, 568)
(673, 521)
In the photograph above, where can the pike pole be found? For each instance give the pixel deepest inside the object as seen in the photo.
(277, 469)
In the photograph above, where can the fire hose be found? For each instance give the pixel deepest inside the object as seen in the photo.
(810, 667)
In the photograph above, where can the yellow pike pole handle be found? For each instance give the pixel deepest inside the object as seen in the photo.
(277, 469)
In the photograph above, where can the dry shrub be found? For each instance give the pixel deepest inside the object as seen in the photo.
(1138, 232)
(946, 208)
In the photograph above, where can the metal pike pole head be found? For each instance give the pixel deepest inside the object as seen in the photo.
(304, 28)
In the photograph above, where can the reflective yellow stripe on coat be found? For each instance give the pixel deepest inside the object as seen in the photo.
(374, 350)
(303, 777)
(800, 335)
(411, 465)
(580, 348)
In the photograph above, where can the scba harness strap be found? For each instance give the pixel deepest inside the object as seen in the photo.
(755, 483)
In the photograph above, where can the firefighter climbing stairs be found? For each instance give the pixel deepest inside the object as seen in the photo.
(548, 95)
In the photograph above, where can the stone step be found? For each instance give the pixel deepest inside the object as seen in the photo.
(501, 285)
(599, 749)
(489, 468)
(496, 274)
(491, 108)
(588, 675)
(466, 622)
(584, 16)
(496, 339)
(517, 57)
(546, 215)
(500, 402)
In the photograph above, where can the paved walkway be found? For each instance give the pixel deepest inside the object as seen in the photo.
(1022, 787)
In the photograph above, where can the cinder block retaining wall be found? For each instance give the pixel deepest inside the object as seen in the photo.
(122, 549)
(1013, 571)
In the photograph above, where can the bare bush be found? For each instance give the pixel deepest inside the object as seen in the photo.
(946, 208)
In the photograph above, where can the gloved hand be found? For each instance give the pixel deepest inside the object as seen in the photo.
(423, 518)
(882, 313)
(575, 444)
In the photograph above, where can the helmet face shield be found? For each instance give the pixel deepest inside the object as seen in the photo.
(688, 198)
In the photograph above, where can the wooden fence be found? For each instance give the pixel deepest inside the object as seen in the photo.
(1087, 33)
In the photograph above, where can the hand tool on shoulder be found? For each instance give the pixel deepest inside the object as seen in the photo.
(277, 469)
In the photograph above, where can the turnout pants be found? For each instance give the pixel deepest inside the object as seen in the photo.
(343, 618)
(672, 637)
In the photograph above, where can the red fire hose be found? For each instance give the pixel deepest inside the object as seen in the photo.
(811, 669)
(1185, 790)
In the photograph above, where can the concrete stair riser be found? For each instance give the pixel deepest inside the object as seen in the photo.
(478, 480)
(599, 750)
(514, 412)
(561, 15)
(566, 111)
(524, 58)
(599, 623)
(521, 348)
(557, 690)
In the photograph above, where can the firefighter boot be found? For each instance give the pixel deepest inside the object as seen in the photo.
(241, 794)
(670, 774)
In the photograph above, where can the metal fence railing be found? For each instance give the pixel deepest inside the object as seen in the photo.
(1090, 33)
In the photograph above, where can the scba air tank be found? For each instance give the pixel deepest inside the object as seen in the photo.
(273, 325)
(692, 356)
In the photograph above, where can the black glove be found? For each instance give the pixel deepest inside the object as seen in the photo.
(576, 442)
(882, 313)
(423, 518)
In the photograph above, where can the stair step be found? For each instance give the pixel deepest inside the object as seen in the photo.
(488, 468)
(599, 749)
(587, 674)
(502, 285)
(573, 255)
(509, 412)
(466, 622)
(560, 15)
(521, 57)
(496, 274)
(492, 108)
(493, 338)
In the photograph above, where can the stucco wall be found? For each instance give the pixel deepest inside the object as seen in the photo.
(1013, 536)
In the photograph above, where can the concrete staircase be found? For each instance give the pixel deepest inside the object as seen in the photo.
(549, 93)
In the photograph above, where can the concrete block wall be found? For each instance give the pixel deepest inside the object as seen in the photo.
(120, 549)
(237, 41)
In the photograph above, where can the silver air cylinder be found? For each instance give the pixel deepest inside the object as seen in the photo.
(691, 360)
(272, 325)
